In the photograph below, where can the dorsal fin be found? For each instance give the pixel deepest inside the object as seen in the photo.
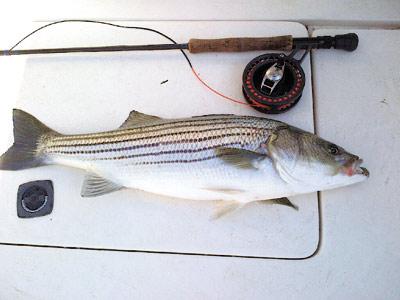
(213, 115)
(136, 118)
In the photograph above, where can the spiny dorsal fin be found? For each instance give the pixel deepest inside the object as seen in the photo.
(136, 118)
(213, 115)
(282, 201)
(94, 185)
(240, 158)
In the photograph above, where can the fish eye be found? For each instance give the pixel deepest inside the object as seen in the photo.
(333, 149)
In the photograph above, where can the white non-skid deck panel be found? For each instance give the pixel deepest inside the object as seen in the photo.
(359, 258)
(358, 106)
(79, 93)
(340, 13)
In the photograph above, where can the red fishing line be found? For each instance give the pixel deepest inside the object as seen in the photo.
(222, 95)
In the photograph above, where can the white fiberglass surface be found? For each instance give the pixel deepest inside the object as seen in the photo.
(80, 93)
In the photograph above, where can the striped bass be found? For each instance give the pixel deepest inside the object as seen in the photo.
(215, 157)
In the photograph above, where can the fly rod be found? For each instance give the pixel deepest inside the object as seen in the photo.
(346, 42)
(272, 83)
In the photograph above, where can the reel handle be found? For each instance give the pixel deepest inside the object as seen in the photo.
(347, 42)
(280, 43)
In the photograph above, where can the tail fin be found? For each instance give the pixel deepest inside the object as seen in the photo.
(24, 154)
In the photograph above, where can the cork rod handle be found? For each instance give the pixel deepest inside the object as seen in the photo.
(242, 44)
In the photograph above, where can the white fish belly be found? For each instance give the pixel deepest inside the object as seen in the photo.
(207, 180)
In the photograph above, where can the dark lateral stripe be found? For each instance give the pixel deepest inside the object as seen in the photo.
(183, 151)
(164, 126)
(130, 134)
(178, 161)
(129, 148)
(163, 135)
(176, 124)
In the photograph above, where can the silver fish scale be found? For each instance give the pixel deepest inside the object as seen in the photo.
(180, 141)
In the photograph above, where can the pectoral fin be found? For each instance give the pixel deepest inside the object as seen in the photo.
(136, 118)
(282, 201)
(94, 186)
(239, 158)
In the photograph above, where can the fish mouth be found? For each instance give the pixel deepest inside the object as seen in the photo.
(361, 171)
(354, 167)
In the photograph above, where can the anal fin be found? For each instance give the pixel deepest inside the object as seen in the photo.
(94, 186)
(282, 201)
(228, 191)
(224, 207)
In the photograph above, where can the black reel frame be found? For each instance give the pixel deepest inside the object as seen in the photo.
(287, 91)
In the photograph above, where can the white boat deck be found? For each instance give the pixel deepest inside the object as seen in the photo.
(352, 234)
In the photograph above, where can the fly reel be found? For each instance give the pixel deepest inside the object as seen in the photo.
(274, 82)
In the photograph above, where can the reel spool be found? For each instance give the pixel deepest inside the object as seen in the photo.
(273, 82)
